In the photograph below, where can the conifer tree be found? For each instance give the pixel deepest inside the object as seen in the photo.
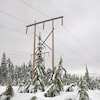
(16, 75)
(4, 69)
(49, 75)
(56, 83)
(29, 70)
(38, 83)
(87, 75)
(39, 69)
(10, 68)
(9, 90)
(83, 88)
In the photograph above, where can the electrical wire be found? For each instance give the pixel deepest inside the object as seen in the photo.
(17, 31)
(11, 29)
(67, 46)
(89, 51)
(34, 8)
(13, 51)
(12, 16)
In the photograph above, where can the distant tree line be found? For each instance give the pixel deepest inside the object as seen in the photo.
(22, 74)
(17, 73)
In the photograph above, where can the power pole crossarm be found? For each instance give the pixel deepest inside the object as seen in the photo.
(61, 17)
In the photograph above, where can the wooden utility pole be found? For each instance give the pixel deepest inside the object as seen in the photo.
(43, 22)
(53, 45)
(34, 52)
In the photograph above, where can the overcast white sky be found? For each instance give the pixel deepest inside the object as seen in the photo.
(77, 41)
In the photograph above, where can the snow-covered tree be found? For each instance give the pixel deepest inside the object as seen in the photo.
(34, 98)
(4, 69)
(56, 82)
(69, 79)
(10, 68)
(87, 78)
(83, 88)
(38, 83)
(29, 70)
(23, 73)
(16, 75)
(9, 90)
(49, 75)
(39, 69)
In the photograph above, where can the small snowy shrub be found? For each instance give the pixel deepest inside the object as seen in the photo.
(52, 91)
(8, 92)
(83, 95)
(34, 98)
(69, 88)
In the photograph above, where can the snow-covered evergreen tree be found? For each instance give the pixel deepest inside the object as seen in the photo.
(39, 70)
(87, 78)
(38, 83)
(16, 75)
(56, 83)
(83, 88)
(9, 90)
(34, 98)
(10, 68)
(4, 69)
(49, 75)
(23, 72)
(29, 70)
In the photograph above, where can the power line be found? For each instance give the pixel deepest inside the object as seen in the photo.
(37, 10)
(15, 17)
(14, 53)
(11, 29)
(9, 50)
(65, 45)
(66, 29)
(34, 8)
(16, 56)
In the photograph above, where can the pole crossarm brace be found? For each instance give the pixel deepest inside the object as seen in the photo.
(61, 17)
(43, 43)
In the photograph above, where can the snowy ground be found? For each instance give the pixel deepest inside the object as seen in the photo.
(94, 95)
